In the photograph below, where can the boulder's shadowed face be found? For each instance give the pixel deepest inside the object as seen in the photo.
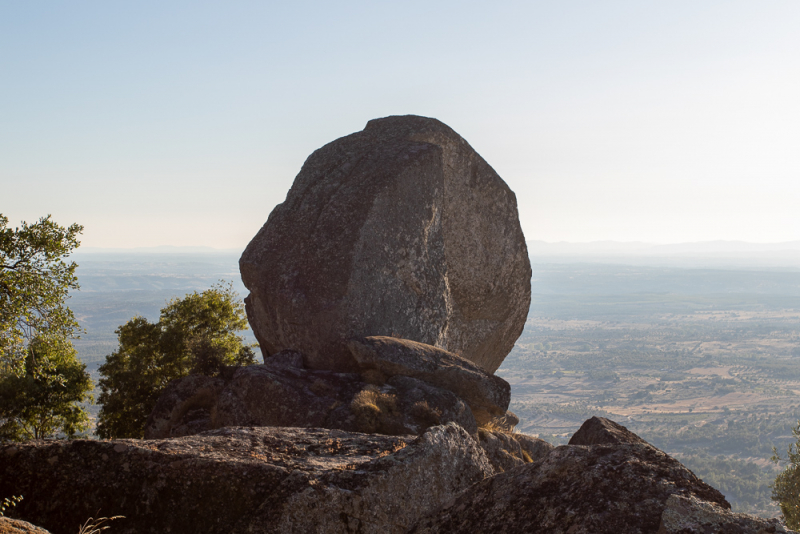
(399, 230)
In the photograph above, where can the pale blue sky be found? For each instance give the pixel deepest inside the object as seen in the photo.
(184, 123)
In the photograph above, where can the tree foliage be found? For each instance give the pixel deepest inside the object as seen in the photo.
(34, 283)
(786, 489)
(196, 334)
(41, 379)
(44, 400)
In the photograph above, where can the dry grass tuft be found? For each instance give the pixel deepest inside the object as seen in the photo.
(374, 409)
(423, 413)
(93, 526)
(492, 426)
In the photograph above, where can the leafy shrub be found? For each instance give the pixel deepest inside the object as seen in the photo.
(786, 489)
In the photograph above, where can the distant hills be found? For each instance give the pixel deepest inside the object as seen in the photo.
(163, 249)
(638, 247)
(701, 254)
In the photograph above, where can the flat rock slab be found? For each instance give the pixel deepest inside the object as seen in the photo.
(402, 229)
(482, 391)
(597, 489)
(255, 480)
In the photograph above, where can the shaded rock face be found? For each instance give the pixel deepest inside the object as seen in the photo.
(282, 392)
(401, 230)
(595, 489)
(262, 480)
(689, 515)
(487, 395)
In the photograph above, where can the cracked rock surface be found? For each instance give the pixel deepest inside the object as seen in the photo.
(255, 480)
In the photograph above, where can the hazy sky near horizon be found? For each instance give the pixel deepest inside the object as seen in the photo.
(185, 123)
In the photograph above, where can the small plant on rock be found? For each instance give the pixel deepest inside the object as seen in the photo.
(93, 526)
(374, 409)
(9, 503)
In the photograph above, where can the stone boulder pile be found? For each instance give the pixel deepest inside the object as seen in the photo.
(384, 292)
(402, 387)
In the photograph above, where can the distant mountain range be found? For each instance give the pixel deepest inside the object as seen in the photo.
(163, 249)
(639, 248)
(712, 254)
(701, 254)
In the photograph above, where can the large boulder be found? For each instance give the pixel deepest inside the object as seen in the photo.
(401, 230)
(237, 480)
(283, 392)
(576, 489)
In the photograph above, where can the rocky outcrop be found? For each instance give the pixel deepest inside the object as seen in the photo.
(282, 392)
(15, 526)
(690, 515)
(270, 480)
(487, 395)
(602, 431)
(597, 489)
(401, 230)
(255, 480)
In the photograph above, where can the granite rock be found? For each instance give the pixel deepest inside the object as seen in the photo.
(575, 489)
(602, 431)
(487, 395)
(690, 515)
(401, 230)
(254, 480)
(282, 392)
(506, 451)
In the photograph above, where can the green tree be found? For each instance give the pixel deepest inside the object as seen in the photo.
(786, 489)
(40, 404)
(35, 281)
(196, 334)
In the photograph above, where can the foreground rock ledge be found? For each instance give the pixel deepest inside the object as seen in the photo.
(597, 489)
(607, 480)
(255, 480)
(401, 230)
